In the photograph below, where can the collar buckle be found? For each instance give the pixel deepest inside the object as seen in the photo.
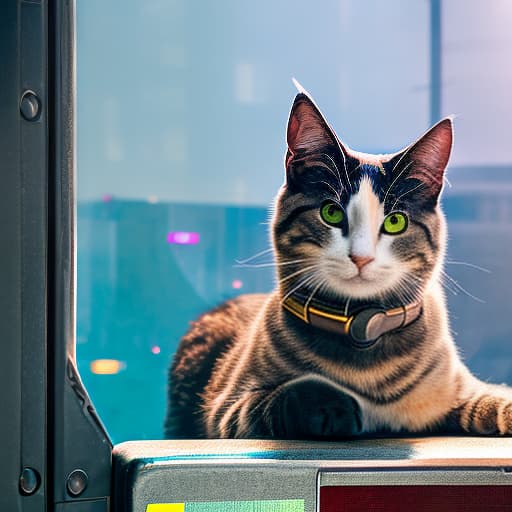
(367, 326)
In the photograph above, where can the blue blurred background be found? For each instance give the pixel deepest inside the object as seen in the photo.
(182, 109)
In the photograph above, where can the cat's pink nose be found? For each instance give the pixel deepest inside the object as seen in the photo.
(361, 261)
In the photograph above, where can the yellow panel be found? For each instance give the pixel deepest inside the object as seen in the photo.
(166, 507)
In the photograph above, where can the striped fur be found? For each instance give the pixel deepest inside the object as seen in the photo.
(251, 369)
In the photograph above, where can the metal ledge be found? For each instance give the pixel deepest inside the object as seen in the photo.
(384, 452)
(206, 471)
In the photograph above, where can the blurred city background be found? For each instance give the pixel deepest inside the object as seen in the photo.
(182, 109)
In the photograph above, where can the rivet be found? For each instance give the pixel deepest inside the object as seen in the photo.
(29, 481)
(77, 482)
(30, 106)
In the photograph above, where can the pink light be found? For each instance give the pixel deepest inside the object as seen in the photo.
(155, 349)
(182, 238)
(107, 198)
(237, 284)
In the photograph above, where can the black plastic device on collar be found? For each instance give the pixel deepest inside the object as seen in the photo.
(363, 327)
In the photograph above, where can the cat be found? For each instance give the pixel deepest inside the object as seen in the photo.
(355, 339)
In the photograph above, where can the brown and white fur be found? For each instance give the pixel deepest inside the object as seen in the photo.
(252, 369)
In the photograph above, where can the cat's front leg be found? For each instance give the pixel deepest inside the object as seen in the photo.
(488, 412)
(312, 408)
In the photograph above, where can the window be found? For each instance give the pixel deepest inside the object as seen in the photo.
(182, 109)
(476, 85)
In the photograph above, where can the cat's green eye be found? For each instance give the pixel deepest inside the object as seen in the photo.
(395, 223)
(331, 213)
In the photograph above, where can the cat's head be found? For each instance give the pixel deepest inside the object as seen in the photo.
(358, 226)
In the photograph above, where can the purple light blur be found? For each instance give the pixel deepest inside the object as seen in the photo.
(182, 238)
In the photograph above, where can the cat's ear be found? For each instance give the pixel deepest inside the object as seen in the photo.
(308, 132)
(426, 159)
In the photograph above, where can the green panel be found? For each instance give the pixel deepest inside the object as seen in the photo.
(247, 506)
(231, 506)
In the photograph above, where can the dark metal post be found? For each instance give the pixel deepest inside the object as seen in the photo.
(80, 448)
(23, 255)
(435, 61)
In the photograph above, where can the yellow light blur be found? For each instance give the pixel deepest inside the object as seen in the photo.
(107, 366)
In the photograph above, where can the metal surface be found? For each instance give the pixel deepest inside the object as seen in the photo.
(78, 437)
(34, 171)
(23, 257)
(183, 471)
(10, 261)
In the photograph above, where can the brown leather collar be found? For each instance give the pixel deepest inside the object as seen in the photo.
(364, 326)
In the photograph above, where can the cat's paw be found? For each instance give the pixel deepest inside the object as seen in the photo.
(488, 415)
(313, 408)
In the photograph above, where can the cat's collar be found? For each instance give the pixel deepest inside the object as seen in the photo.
(363, 327)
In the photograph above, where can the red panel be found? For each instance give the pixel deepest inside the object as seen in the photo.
(416, 498)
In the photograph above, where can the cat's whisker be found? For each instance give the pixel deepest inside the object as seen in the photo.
(256, 265)
(336, 193)
(399, 290)
(395, 180)
(416, 280)
(401, 158)
(303, 282)
(448, 286)
(337, 170)
(405, 193)
(298, 272)
(447, 283)
(414, 284)
(346, 172)
(310, 298)
(325, 166)
(346, 306)
(470, 265)
(319, 163)
(408, 290)
(405, 292)
(257, 255)
(461, 288)
(272, 263)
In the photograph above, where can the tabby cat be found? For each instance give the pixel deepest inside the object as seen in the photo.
(355, 338)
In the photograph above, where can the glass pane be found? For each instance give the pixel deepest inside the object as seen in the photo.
(477, 81)
(182, 108)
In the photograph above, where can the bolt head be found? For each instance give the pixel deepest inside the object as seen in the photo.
(77, 482)
(30, 106)
(29, 481)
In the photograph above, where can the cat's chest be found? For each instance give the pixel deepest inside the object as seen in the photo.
(407, 392)
(421, 408)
